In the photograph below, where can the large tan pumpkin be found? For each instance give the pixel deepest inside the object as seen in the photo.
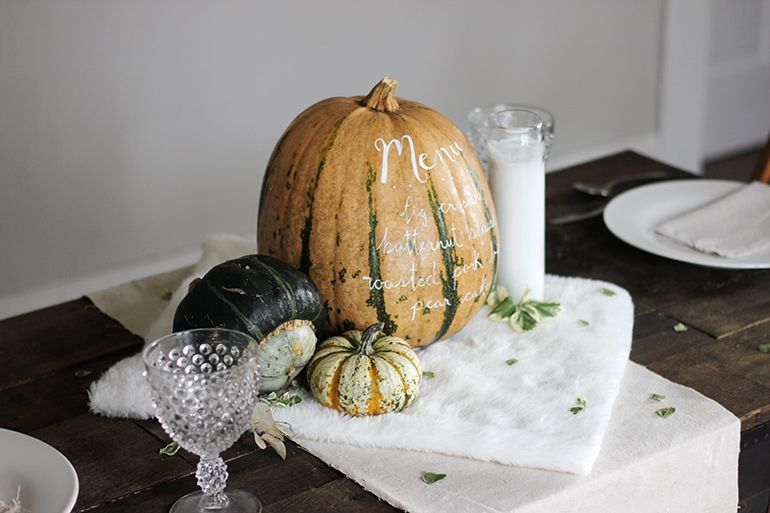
(383, 202)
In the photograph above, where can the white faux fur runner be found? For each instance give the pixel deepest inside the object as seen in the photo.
(479, 406)
(476, 405)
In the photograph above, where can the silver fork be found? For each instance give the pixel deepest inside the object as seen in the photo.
(606, 189)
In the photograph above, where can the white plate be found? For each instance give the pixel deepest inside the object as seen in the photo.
(48, 481)
(633, 215)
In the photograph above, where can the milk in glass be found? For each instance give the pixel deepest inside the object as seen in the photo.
(517, 149)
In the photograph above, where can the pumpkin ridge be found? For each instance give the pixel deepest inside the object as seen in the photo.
(430, 122)
(487, 215)
(317, 361)
(395, 367)
(376, 296)
(334, 388)
(286, 290)
(404, 356)
(252, 329)
(304, 258)
(449, 288)
(270, 168)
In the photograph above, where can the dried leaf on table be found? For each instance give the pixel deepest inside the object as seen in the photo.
(269, 432)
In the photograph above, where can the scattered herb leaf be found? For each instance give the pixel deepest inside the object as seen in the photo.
(665, 412)
(166, 296)
(582, 401)
(283, 401)
(432, 477)
(522, 316)
(521, 321)
(428, 374)
(546, 308)
(576, 409)
(503, 310)
(512, 361)
(763, 348)
(169, 450)
(82, 373)
(657, 397)
(608, 292)
(583, 322)
(679, 327)
(496, 295)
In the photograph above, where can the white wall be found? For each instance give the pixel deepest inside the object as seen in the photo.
(130, 130)
(738, 102)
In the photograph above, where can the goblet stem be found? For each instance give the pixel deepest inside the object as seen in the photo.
(212, 477)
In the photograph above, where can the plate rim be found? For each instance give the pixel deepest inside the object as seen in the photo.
(681, 253)
(66, 464)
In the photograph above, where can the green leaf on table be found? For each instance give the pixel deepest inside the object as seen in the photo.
(547, 308)
(763, 348)
(503, 310)
(583, 322)
(608, 292)
(432, 477)
(166, 296)
(169, 450)
(581, 403)
(512, 361)
(522, 316)
(82, 373)
(657, 397)
(522, 321)
(284, 400)
(680, 328)
(428, 374)
(665, 412)
(496, 295)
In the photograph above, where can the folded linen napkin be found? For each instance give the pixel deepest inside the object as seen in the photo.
(477, 405)
(736, 225)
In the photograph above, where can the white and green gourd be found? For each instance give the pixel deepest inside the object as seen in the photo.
(284, 352)
(367, 373)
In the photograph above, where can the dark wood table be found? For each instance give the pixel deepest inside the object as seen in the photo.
(46, 353)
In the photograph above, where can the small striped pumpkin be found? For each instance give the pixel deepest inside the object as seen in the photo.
(365, 374)
(383, 203)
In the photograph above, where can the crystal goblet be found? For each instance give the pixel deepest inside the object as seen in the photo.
(204, 385)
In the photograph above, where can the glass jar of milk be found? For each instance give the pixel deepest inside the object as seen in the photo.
(479, 119)
(515, 143)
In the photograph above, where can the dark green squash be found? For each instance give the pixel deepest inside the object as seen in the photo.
(265, 298)
(254, 294)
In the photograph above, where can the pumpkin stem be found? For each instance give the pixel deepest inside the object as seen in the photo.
(381, 98)
(367, 339)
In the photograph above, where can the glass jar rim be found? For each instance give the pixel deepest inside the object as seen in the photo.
(526, 121)
(479, 116)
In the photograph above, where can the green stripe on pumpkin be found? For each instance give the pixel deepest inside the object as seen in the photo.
(376, 296)
(487, 215)
(318, 359)
(304, 258)
(449, 287)
(250, 327)
(287, 290)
